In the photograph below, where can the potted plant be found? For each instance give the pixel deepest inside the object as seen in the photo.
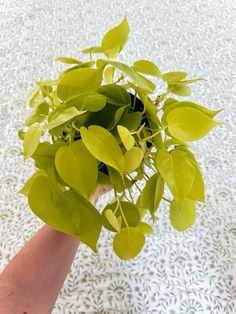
(103, 124)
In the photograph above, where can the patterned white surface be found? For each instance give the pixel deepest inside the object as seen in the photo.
(177, 273)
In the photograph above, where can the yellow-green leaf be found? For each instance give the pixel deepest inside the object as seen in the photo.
(68, 60)
(133, 158)
(127, 210)
(35, 97)
(116, 38)
(78, 81)
(189, 124)
(77, 167)
(138, 79)
(126, 137)
(112, 219)
(103, 146)
(144, 228)
(118, 182)
(151, 194)
(180, 90)
(38, 114)
(177, 171)
(128, 243)
(147, 67)
(61, 116)
(182, 215)
(173, 77)
(26, 188)
(115, 94)
(109, 74)
(31, 140)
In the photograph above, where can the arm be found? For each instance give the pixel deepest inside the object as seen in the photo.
(32, 280)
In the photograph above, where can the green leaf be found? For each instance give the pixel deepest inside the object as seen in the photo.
(35, 97)
(78, 81)
(146, 67)
(138, 79)
(151, 194)
(68, 60)
(173, 77)
(103, 146)
(112, 219)
(117, 180)
(26, 188)
(128, 243)
(144, 228)
(115, 94)
(130, 212)
(182, 215)
(116, 38)
(97, 49)
(181, 90)
(168, 103)
(109, 74)
(197, 192)
(131, 120)
(62, 115)
(177, 171)
(90, 220)
(133, 158)
(31, 140)
(90, 101)
(126, 137)
(53, 207)
(189, 124)
(38, 114)
(77, 167)
(45, 154)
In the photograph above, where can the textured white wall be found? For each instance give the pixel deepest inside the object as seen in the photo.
(177, 273)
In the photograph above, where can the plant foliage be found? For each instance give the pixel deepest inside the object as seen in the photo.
(107, 122)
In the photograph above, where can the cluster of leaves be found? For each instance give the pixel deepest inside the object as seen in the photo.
(105, 128)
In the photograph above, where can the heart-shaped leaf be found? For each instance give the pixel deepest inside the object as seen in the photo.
(128, 243)
(77, 167)
(147, 67)
(133, 158)
(182, 215)
(31, 140)
(103, 146)
(115, 94)
(126, 137)
(38, 114)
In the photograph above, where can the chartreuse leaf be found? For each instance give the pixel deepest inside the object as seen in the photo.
(144, 228)
(68, 60)
(189, 124)
(53, 207)
(116, 38)
(180, 90)
(112, 219)
(77, 167)
(90, 101)
(90, 220)
(26, 188)
(117, 181)
(182, 215)
(38, 114)
(128, 243)
(35, 97)
(103, 146)
(173, 77)
(171, 104)
(126, 137)
(78, 81)
(31, 140)
(131, 120)
(151, 194)
(177, 171)
(138, 79)
(115, 94)
(197, 191)
(133, 158)
(62, 115)
(109, 74)
(147, 67)
(45, 154)
(123, 209)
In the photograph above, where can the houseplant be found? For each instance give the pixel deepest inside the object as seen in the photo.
(102, 124)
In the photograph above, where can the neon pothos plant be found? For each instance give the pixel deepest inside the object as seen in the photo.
(105, 126)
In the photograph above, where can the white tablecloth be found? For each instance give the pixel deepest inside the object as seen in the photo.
(177, 273)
